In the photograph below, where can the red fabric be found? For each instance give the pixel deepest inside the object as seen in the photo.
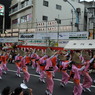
(27, 59)
(18, 64)
(3, 58)
(0, 58)
(54, 61)
(40, 47)
(49, 74)
(6, 56)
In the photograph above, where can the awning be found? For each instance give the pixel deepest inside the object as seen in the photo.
(80, 44)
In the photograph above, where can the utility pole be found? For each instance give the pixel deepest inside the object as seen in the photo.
(77, 16)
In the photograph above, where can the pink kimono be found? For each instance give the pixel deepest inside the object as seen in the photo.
(77, 87)
(87, 80)
(4, 64)
(33, 58)
(65, 76)
(49, 76)
(26, 73)
(17, 58)
(0, 71)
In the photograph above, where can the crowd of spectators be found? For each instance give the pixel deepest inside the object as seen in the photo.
(17, 91)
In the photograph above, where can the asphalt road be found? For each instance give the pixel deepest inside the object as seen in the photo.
(10, 79)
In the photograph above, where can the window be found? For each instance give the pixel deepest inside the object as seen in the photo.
(15, 21)
(26, 18)
(58, 21)
(59, 7)
(22, 4)
(27, 2)
(45, 3)
(14, 8)
(29, 17)
(23, 19)
(45, 18)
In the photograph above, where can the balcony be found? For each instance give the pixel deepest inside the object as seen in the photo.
(22, 6)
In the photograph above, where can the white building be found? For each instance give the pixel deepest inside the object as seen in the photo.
(90, 17)
(46, 15)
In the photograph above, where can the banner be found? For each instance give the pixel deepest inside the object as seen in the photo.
(3, 40)
(35, 43)
(54, 36)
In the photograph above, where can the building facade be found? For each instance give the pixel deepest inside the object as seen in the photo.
(89, 16)
(46, 15)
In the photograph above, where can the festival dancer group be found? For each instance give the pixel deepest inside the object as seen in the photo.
(72, 65)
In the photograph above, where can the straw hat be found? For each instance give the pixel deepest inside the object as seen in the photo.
(39, 52)
(49, 52)
(85, 55)
(64, 52)
(21, 52)
(0, 52)
(76, 59)
(62, 57)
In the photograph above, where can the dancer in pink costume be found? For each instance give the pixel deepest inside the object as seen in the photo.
(0, 71)
(34, 56)
(27, 58)
(77, 86)
(18, 64)
(49, 77)
(42, 63)
(4, 63)
(37, 65)
(87, 80)
(65, 75)
(54, 64)
(26, 74)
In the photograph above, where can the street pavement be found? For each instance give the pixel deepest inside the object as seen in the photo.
(10, 79)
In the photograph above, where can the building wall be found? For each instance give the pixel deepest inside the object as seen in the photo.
(18, 12)
(53, 13)
(38, 11)
(88, 13)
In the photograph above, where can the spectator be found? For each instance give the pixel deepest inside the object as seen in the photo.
(27, 92)
(6, 91)
(18, 91)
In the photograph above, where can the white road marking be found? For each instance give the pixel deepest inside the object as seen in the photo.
(54, 78)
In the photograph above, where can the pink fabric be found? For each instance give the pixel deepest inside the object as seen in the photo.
(50, 83)
(87, 64)
(26, 76)
(18, 70)
(42, 59)
(76, 72)
(48, 63)
(4, 66)
(42, 74)
(34, 55)
(55, 69)
(38, 68)
(87, 81)
(22, 62)
(17, 58)
(65, 76)
(77, 87)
